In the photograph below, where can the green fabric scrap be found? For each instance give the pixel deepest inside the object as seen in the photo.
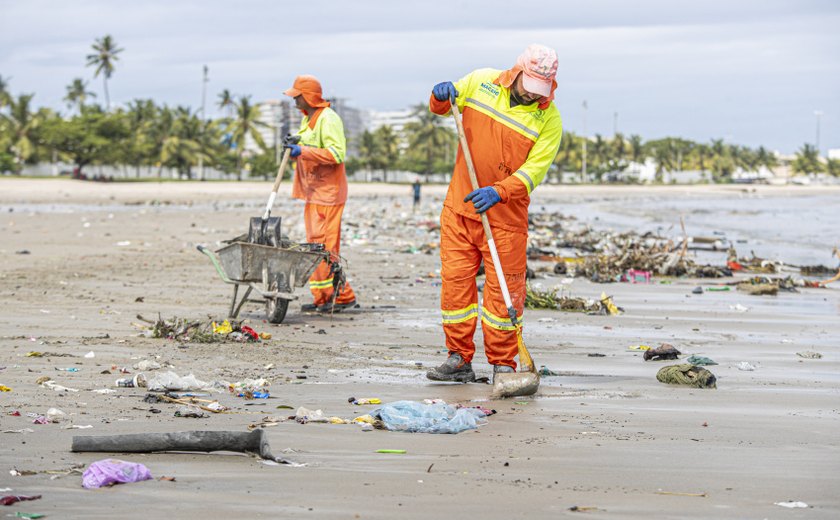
(700, 361)
(686, 374)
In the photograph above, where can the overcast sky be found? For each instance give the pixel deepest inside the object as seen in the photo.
(752, 72)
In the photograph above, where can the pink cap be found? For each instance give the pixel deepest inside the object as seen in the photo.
(539, 64)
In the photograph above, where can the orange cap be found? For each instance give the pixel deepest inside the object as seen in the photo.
(310, 88)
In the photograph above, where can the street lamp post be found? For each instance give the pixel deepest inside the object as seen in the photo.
(203, 119)
(583, 169)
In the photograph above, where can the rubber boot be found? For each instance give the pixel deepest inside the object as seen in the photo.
(454, 369)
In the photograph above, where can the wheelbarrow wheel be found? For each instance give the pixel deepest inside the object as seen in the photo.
(275, 309)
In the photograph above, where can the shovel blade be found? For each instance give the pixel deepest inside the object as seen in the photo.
(265, 232)
(515, 384)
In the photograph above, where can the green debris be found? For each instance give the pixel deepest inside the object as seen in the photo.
(688, 375)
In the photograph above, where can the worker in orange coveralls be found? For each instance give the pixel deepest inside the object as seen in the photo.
(514, 131)
(320, 180)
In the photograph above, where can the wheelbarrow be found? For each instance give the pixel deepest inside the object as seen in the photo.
(271, 272)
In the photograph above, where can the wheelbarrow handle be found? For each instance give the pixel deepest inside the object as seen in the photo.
(215, 261)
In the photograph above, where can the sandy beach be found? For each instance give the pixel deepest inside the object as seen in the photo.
(605, 436)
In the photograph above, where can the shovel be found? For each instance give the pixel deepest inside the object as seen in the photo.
(527, 380)
(265, 230)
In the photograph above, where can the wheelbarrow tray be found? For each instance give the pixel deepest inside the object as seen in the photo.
(244, 262)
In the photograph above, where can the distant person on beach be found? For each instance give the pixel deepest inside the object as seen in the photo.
(513, 129)
(416, 191)
(320, 180)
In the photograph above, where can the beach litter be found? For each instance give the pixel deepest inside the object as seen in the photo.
(700, 360)
(738, 308)
(745, 366)
(688, 375)
(369, 400)
(665, 351)
(550, 299)
(254, 442)
(415, 417)
(170, 381)
(791, 504)
(147, 365)
(108, 472)
(12, 499)
(809, 354)
(4, 388)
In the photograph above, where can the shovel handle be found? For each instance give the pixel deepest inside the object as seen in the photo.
(497, 263)
(283, 162)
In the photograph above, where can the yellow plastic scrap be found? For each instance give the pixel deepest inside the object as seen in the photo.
(366, 418)
(608, 303)
(638, 347)
(222, 328)
(338, 420)
(368, 400)
(34, 354)
(4, 388)
(265, 335)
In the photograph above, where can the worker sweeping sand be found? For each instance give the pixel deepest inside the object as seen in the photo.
(513, 129)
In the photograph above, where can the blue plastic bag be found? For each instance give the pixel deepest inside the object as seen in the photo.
(414, 417)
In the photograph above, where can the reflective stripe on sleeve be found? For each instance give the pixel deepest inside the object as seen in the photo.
(529, 182)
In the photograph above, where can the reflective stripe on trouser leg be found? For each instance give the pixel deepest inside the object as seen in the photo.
(323, 225)
(458, 294)
(500, 343)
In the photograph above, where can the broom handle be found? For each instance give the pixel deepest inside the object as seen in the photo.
(497, 263)
(277, 180)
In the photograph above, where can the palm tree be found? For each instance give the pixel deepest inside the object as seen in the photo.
(567, 158)
(4, 91)
(226, 101)
(389, 149)
(181, 147)
(428, 140)
(103, 59)
(807, 160)
(766, 158)
(141, 115)
(77, 93)
(635, 149)
(245, 123)
(833, 167)
(20, 123)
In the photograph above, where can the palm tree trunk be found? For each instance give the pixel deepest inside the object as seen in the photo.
(107, 97)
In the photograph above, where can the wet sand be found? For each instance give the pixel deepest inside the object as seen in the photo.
(605, 435)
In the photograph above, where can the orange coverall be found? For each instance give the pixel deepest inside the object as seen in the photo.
(320, 180)
(512, 149)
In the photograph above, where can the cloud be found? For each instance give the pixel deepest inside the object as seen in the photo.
(754, 70)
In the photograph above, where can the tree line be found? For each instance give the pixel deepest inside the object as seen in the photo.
(144, 134)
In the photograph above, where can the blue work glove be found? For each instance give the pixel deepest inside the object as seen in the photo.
(444, 91)
(295, 150)
(483, 198)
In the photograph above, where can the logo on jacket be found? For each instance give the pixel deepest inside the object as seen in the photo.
(489, 88)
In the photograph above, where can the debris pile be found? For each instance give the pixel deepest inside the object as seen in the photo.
(550, 299)
(199, 331)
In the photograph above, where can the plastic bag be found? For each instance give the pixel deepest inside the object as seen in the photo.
(411, 416)
(107, 472)
(171, 381)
